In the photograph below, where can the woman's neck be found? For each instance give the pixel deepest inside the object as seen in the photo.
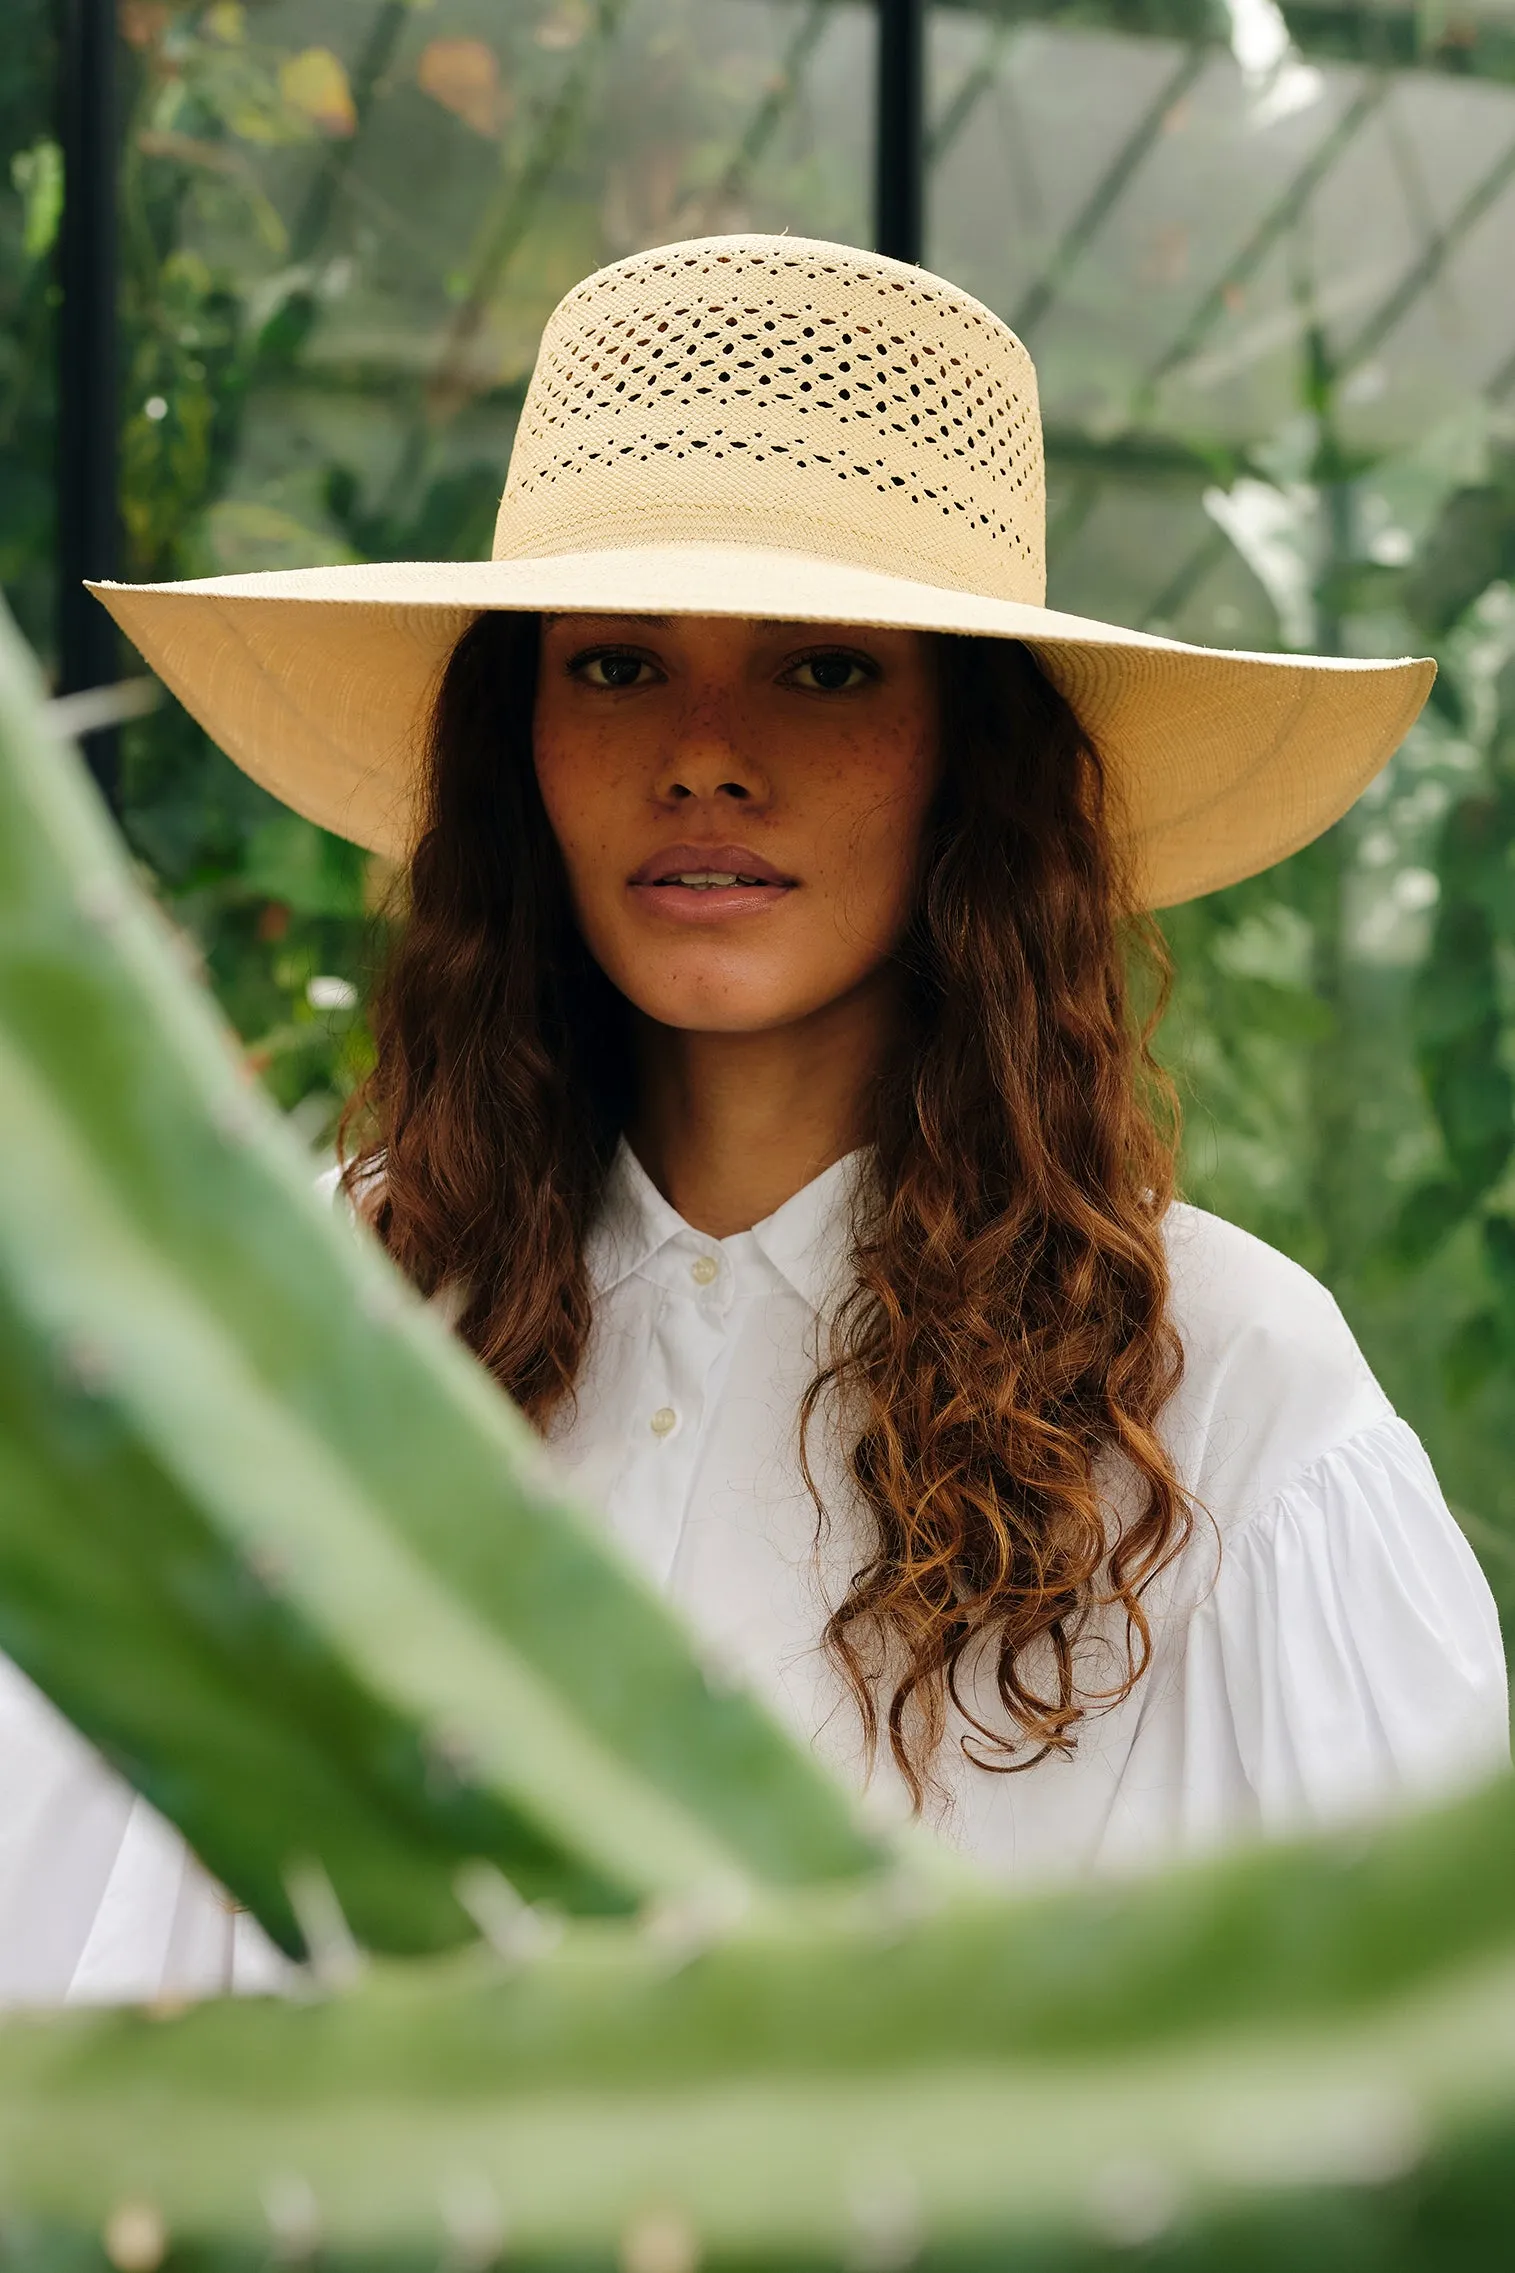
(729, 1126)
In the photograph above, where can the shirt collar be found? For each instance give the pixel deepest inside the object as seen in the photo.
(806, 1240)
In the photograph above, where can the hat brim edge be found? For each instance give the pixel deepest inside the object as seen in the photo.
(243, 654)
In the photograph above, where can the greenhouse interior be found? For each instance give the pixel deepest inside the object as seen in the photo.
(274, 274)
(1265, 260)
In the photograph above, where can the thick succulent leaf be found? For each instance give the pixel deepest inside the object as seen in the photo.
(1299, 2050)
(266, 1533)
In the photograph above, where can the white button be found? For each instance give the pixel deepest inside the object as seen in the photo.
(664, 1419)
(705, 1271)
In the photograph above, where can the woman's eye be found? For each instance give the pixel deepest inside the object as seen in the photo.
(610, 670)
(831, 674)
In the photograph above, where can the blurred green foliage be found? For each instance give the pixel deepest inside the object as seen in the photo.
(343, 224)
(30, 203)
(1345, 1024)
(603, 1971)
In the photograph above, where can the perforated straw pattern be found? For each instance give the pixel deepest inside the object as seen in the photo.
(761, 426)
(774, 391)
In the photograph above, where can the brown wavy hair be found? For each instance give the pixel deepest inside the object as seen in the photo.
(1004, 1353)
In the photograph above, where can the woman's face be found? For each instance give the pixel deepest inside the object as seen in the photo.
(739, 805)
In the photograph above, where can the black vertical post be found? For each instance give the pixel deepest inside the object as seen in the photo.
(88, 408)
(899, 194)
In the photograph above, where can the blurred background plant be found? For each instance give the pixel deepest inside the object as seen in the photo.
(1262, 256)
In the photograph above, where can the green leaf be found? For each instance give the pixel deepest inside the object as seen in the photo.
(1430, 1215)
(202, 1346)
(306, 868)
(1296, 2057)
(38, 175)
(1472, 1355)
(1471, 547)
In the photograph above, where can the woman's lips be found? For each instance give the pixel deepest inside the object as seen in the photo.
(703, 883)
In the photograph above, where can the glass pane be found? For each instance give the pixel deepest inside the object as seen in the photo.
(31, 197)
(1267, 291)
(385, 203)
(344, 226)
(1266, 283)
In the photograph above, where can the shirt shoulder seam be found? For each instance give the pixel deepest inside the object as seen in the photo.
(1267, 1509)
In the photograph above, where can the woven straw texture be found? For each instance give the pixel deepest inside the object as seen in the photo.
(769, 427)
(790, 395)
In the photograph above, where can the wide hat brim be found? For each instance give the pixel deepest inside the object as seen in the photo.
(318, 682)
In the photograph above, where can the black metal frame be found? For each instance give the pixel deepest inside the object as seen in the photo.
(88, 412)
(88, 392)
(899, 165)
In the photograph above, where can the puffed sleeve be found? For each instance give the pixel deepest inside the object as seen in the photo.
(1347, 1654)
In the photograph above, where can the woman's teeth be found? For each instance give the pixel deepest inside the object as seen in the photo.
(709, 879)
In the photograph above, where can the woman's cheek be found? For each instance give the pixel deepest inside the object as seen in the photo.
(875, 890)
(580, 816)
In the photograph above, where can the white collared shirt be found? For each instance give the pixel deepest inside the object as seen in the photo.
(1325, 1646)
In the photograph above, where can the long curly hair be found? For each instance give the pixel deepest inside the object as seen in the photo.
(1001, 1360)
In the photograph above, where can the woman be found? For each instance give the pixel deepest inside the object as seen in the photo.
(758, 1080)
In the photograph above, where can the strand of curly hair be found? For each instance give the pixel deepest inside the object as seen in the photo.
(1006, 1343)
(1007, 1332)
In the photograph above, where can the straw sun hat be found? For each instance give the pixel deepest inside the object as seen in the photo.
(770, 427)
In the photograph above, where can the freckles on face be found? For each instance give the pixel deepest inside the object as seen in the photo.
(739, 805)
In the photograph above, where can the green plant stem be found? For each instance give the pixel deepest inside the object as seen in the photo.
(226, 1420)
(1326, 2033)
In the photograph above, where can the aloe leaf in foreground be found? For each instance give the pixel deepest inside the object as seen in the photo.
(266, 1534)
(1294, 2058)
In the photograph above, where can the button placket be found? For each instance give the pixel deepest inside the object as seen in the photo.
(686, 1346)
(707, 1274)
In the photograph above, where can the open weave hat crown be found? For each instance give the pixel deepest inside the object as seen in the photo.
(768, 427)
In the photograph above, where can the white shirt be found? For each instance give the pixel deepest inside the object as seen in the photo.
(1325, 1646)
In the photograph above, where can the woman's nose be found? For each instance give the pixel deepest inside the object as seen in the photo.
(706, 761)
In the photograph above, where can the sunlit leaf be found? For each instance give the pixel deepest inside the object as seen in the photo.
(563, 26)
(314, 84)
(227, 22)
(463, 75)
(142, 23)
(241, 533)
(1472, 545)
(38, 174)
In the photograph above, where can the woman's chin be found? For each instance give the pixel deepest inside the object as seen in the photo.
(741, 1008)
(722, 1018)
